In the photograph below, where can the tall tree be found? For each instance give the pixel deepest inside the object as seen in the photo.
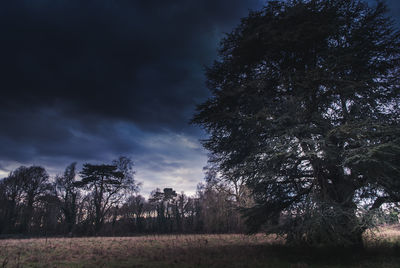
(68, 193)
(305, 108)
(163, 203)
(23, 189)
(11, 194)
(132, 214)
(107, 185)
(35, 185)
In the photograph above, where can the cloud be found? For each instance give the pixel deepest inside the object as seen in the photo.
(162, 159)
(173, 160)
(89, 80)
(141, 61)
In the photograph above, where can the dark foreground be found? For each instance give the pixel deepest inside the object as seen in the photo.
(382, 250)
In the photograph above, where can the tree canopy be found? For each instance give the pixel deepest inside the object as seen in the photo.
(305, 109)
(108, 184)
(103, 199)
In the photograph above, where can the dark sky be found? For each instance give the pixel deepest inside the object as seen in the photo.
(88, 81)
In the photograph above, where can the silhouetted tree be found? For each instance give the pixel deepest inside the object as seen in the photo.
(133, 211)
(107, 185)
(218, 211)
(232, 183)
(305, 109)
(138, 208)
(47, 215)
(11, 194)
(21, 191)
(35, 181)
(3, 206)
(68, 194)
(164, 203)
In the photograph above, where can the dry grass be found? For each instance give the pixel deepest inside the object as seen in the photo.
(192, 251)
(389, 234)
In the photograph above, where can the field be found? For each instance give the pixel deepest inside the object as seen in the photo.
(230, 250)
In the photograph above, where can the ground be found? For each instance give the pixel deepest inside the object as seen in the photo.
(227, 250)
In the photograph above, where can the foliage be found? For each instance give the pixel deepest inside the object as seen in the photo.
(305, 109)
(68, 193)
(25, 189)
(105, 201)
(388, 215)
(108, 184)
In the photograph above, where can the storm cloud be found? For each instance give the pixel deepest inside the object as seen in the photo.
(89, 80)
(139, 61)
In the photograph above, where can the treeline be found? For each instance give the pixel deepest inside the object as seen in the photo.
(104, 200)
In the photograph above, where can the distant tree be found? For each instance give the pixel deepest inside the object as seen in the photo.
(47, 214)
(36, 184)
(125, 165)
(11, 194)
(133, 210)
(156, 201)
(21, 191)
(179, 210)
(107, 185)
(68, 194)
(305, 108)
(232, 183)
(218, 209)
(191, 212)
(85, 216)
(3, 206)
(163, 203)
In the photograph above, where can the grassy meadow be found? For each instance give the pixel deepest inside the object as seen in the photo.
(226, 250)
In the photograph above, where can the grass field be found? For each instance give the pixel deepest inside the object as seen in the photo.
(383, 250)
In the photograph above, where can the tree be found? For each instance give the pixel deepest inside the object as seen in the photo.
(68, 193)
(133, 210)
(232, 183)
(163, 203)
(107, 185)
(219, 208)
(305, 108)
(22, 190)
(11, 194)
(35, 184)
